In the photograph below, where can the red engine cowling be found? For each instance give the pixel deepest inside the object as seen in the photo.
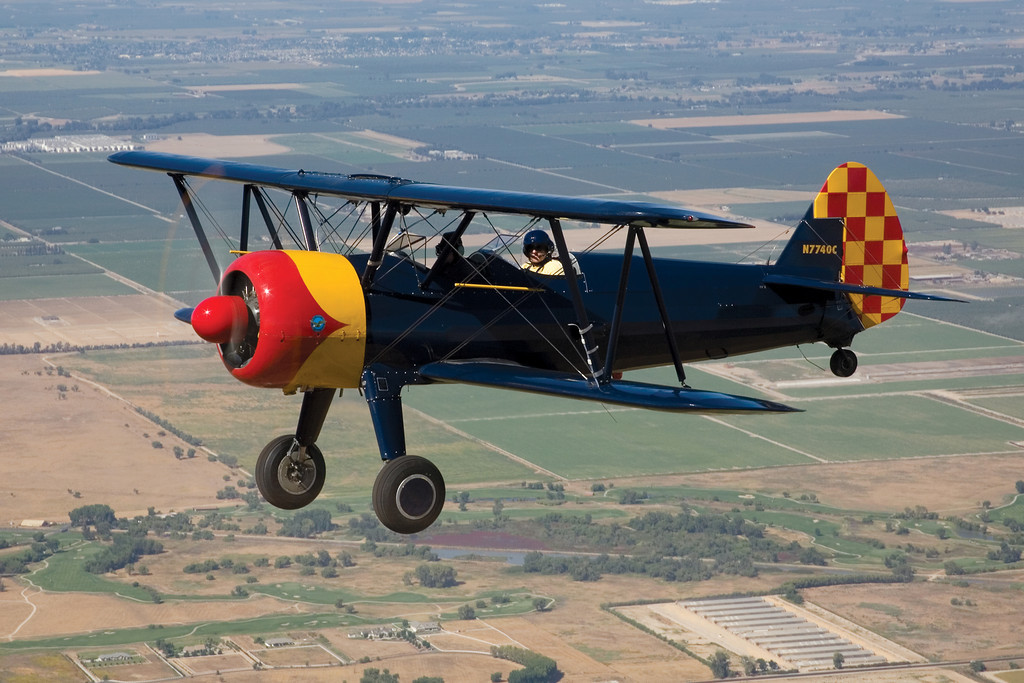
(288, 319)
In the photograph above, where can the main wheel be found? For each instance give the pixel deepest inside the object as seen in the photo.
(285, 477)
(843, 363)
(408, 494)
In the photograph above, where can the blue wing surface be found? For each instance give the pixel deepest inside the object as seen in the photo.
(617, 392)
(363, 187)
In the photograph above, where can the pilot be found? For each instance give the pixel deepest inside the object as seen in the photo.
(451, 258)
(450, 244)
(538, 249)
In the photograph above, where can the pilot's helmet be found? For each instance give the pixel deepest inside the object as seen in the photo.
(536, 238)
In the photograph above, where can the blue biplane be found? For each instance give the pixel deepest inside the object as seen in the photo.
(411, 307)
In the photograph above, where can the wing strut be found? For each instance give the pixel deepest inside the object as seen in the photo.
(666, 322)
(265, 212)
(304, 222)
(243, 231)
(380, 240)
(584, 327)
(190, 210)
(620, 302)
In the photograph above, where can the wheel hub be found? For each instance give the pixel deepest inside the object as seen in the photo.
(296, 473)
(415, 496)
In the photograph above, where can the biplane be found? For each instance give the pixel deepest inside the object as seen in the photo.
(361, 282)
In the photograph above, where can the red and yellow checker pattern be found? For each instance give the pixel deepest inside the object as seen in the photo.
(874, 253)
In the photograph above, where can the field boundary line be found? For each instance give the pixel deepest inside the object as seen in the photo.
(765, 438)
(950, 398)
(487, 444)
(92, 187)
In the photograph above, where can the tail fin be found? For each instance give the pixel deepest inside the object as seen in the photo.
(874, 253)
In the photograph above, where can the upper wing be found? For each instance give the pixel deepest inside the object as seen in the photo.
(617, 392)
(365, 187)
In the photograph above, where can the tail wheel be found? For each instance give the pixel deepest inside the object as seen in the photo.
(290, 477)
(408, 494)
(843, 363)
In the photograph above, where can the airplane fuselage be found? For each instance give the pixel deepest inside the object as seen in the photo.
(716, 310)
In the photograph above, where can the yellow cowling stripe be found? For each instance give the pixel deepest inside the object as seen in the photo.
(338, 359)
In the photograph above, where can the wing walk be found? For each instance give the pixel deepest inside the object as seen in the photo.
(499, 375)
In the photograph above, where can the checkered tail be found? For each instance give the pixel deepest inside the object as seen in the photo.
(874, 253)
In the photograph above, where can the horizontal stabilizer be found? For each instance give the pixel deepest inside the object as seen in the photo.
(845, 287)
(617, 392)
(184, 315)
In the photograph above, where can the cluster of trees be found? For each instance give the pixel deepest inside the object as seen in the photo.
(374, 675)
(537, 667)
(659, 544)
(156, 419)
(7, 349)
(126, 549)
(17, 563)
(592, 568)
(436, 575)
(93, 515)
(1006, 553)
(306, 523)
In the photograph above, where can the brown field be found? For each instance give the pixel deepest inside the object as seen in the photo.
(936, 483)
(91, 321)
(1011, 217)
(920, 615)
(42, 73)
(213, 664)
(88, 442)
(300, 655)
(206, 145)
(152, 669)
(832, 116)
(75, 613)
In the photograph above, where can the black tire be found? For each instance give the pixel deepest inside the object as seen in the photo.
(408, 494)
(843, 363)
(287, 484)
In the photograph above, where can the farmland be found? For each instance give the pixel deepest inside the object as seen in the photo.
(727, 108)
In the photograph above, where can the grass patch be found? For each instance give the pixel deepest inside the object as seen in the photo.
(63, 573)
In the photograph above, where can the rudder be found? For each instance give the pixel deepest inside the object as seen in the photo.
(874, 252)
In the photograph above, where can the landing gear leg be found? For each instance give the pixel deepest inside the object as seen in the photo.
(290, 471)
(843, 363)
(408, 493)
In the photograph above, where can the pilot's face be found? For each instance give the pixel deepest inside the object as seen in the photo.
(538, 253)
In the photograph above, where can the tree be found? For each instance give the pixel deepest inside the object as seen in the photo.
(496, 677)
(466, 612)
(372, 675)
(1020, 485)
(436, 576)
(719, 663)
(838, 659)
(94, 515)
(306, 523)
